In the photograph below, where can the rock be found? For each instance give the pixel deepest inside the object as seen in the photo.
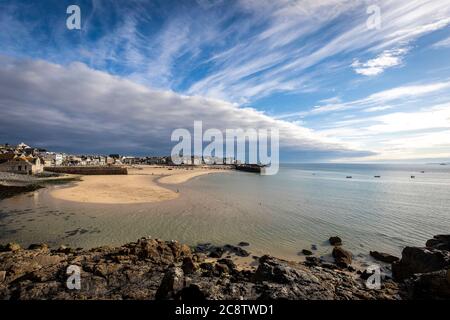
(384, 257)
(429, 285)
(220, 268)
(207, 266)
(64, 249)
(38, 246)
(335, 241)
(172, 282)
(420, 260)
(306, 252)
(270, 269)
(312, 261)
(12, 246)
(153, 269)
(440, 242)
(243, 244)
(203, 247)
(192, 293)
(216, 252)
(343, 258)
(228, 262)
(236, 250)
(314, 247)
(188, 265)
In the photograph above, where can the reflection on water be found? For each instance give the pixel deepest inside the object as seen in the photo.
(280, 215)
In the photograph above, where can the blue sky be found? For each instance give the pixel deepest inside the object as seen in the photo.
(337, 89)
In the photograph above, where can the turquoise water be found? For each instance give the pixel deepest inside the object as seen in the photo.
(281, 215)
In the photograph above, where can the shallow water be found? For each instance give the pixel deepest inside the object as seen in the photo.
(280, 215)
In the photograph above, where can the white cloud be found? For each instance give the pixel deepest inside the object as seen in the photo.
(376, 66)
(443, 43)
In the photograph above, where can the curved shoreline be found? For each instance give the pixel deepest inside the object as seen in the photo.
(142, 185)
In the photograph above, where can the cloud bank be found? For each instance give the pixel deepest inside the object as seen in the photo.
(82, 109)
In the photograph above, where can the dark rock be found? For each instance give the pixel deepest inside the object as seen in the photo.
(207, 266)
(188, 265)
(384, 257)
(440, 242)
(220, 268)
(12, 246)
(343, 258)
(314, 247)
(216, 252)
(192, 293)
(64, 249)
(420, 260)
(236, 250)
(172, 282)
(434, 285)
(312, 261)
(228, 262)
(149, 269)
(243, 244)
(335, 241)
(270, 269)
(203, 247)
(306, 252)
(38, 246)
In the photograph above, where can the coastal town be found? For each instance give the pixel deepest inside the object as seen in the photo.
(27, 160)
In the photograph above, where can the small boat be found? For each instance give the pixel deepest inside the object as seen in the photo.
(377, 176)
(413, 177)
(349, 177)
(422, 171)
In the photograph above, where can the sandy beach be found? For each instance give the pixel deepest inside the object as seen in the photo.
(141, 185)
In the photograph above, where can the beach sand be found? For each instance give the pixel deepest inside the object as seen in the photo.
(141, 185)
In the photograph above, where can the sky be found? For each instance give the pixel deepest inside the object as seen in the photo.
(340, 84)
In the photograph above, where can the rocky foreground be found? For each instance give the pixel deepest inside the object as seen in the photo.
(155, 269)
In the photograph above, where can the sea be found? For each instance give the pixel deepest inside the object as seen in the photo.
(382, 207)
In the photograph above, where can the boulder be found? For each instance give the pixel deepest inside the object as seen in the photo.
(335, 241)
(307, 252)
(229, 263)
(192, 293)
(12, 246)
(343, 258)
(188, 265)
(216, 252)
(207, 266)
(420, 260)
(220, 268)
(172, 282)
(440, 242)
(236, 250)
(243, 244)
(384, 257)
(434, 285)
(272, 270)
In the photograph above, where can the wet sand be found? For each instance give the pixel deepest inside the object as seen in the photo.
(143, 184)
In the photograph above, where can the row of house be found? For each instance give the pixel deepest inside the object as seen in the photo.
(21, 159)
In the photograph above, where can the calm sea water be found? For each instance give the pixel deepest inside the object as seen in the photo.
(281, 215)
